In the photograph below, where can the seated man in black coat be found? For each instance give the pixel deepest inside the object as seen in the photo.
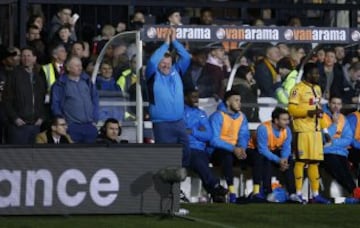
(110, 132)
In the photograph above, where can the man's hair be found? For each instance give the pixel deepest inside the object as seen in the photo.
(65, 26)
(69, 60)
(31, 49)
(110, 120)
(79, 42)
(189, 90)
(230, 93)
(335, 96)
(54, 49)
(329, 50)
(32, 26)
(277, 112)
(285, 63)
(355, 66)
(63, 7)
(54, 120)
(205, 9)
(242, 71)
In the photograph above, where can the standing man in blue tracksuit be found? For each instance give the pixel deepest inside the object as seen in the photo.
(339, 137)
(166, 95)
(199, 132)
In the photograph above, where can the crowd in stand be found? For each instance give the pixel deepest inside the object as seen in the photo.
(47, 96)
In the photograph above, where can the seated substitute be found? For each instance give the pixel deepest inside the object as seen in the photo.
(110, 132)
(339, 137)
(273, 144)
(230, 136)
(199, 132)
(56, 133)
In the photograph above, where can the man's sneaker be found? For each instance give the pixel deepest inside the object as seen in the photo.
(183, 198)
(294, 198)
(232, 198)
(218, 194)
(220, 190)
(321, 200)
(351, 200)
(257, 198)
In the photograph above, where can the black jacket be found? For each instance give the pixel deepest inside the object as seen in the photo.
(23, 97)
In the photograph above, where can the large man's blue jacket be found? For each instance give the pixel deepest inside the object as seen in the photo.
(196, 120)
(166, 91)
(58, 96)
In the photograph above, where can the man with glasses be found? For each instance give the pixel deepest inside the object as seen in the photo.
(56, 133)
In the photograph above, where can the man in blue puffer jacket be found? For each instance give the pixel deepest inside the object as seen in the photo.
(339, 137)
(166, 96)
(199, 132)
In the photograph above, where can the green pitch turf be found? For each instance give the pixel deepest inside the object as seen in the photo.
(208, 215)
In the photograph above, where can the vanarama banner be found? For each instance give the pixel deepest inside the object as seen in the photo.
(253, 34)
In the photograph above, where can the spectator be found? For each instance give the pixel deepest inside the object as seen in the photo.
(297, 53)
(273, 143)
(56, 133)
(15, 60)
(245, 84)
(289, 75)
(78, 49)
(216, 69)
(340, 54)
(107, 32)
(106, 82)
(37, 20)
(335, 151)
(63, 17)
(198, 61)
(5, 70)
(166, 94)
(137, 21)
(284, 50)
(199, 132)
(33, 39)
(24, 96)
(63, 36)
(265, 72)
(110, 132)
(173, 17)
(304, 107)
(331, 74)
(230, 136)
(349, 88)
(53, 70)
(75, 97)
(206, 16)
(320, 55)
(128, 76)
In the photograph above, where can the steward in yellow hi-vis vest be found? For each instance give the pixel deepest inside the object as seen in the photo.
(230, 136)
(273, 144)
(339, 137)
(304, 107)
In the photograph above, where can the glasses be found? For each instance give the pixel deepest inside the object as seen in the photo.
(62, 124)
